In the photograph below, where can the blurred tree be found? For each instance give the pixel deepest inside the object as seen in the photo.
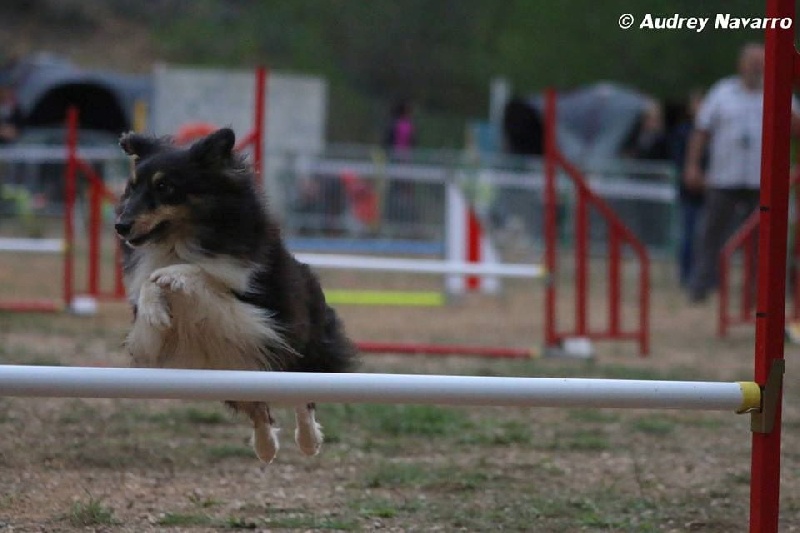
(442, 54)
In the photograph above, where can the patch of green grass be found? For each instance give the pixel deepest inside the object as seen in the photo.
(705, 422)
(457, 480)
(415, 420)
(43, 360)
(378, 509)
(235, 522)
(229, 451)
(396, 474)
(588, 513)
(394, 420)
(492, 433)
(201, 416)
(591, 416)
(447, 478)
(189, 415)
(90, 513)
(738, 478)
(655, 425)
(134, 419)
(184, 519)
(202, 502)
(580, 441)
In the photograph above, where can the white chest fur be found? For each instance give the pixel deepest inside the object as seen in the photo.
(188, 316)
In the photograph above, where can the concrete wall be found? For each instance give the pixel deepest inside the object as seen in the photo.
(296, 110)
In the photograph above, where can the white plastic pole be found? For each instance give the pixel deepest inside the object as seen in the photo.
(298, 388)
(455, 236)
(420, 266)
(31, 245)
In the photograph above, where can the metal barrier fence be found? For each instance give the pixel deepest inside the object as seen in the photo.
(358, 192)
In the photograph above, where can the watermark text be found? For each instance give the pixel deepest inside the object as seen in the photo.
(720, 21)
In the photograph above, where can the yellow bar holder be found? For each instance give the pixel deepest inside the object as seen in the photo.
(762, 402)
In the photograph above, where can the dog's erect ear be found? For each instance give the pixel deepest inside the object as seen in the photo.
(214, 149)
(137, 145)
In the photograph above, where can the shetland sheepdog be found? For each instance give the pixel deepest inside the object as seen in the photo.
(211, 282)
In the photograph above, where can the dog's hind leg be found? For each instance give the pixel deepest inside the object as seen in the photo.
(308, 434)
(265, 435)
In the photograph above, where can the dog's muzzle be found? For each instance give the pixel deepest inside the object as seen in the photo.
(123, 229)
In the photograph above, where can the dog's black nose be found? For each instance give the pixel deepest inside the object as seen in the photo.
(123, 228)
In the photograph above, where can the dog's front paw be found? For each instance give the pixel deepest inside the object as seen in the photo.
(153, 308)
(169, 280)
(178, 278)
(309, 438)
(265, 442)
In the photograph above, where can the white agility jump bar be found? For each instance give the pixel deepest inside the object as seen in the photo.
(31, 245)
(298, 388)
(420, 266)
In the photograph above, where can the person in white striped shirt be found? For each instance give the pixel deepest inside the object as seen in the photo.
(728, 125)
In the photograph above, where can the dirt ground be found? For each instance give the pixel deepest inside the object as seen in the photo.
(128, 465)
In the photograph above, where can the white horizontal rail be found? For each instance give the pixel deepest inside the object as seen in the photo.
(610, 184)
(31, 245)
(294, 388)
(55, 154)
(420, 266)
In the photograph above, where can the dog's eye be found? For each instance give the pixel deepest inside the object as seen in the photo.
(163, 186)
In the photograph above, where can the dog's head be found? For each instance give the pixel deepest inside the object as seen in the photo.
(168, 182)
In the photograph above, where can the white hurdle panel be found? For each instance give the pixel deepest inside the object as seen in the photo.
(419, 266)
(8, 244)
(298, 388)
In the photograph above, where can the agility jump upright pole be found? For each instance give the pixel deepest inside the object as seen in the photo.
(770, 312)
(70, 185)
(259, 122)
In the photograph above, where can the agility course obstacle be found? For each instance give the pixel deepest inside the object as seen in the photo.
(763, 396)
(98, 195)
(419, 266)
(301, 387)
(782, 67)
(618, 236)
(744, 243)
(469, 263)
(401, 298)
(76, 168)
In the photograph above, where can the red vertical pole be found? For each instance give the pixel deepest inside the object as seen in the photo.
(69, 204)
(747, 282)
(796, 258)
(550, 236)
(258, 124)
(644, 303)
(724, 265)
(94, 239)
(473, 246)
(794, 273)
(770, 314)
(581, 262)
(614, 289)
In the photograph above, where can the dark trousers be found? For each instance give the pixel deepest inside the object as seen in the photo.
(725, 210)
(690, 216)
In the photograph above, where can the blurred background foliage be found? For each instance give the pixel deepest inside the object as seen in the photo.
(440, 53)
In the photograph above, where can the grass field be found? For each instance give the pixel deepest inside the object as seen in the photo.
(125, 465)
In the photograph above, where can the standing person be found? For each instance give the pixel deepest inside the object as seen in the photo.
(729, 124)
(400, 138)
(690, 201)
(400, 135)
